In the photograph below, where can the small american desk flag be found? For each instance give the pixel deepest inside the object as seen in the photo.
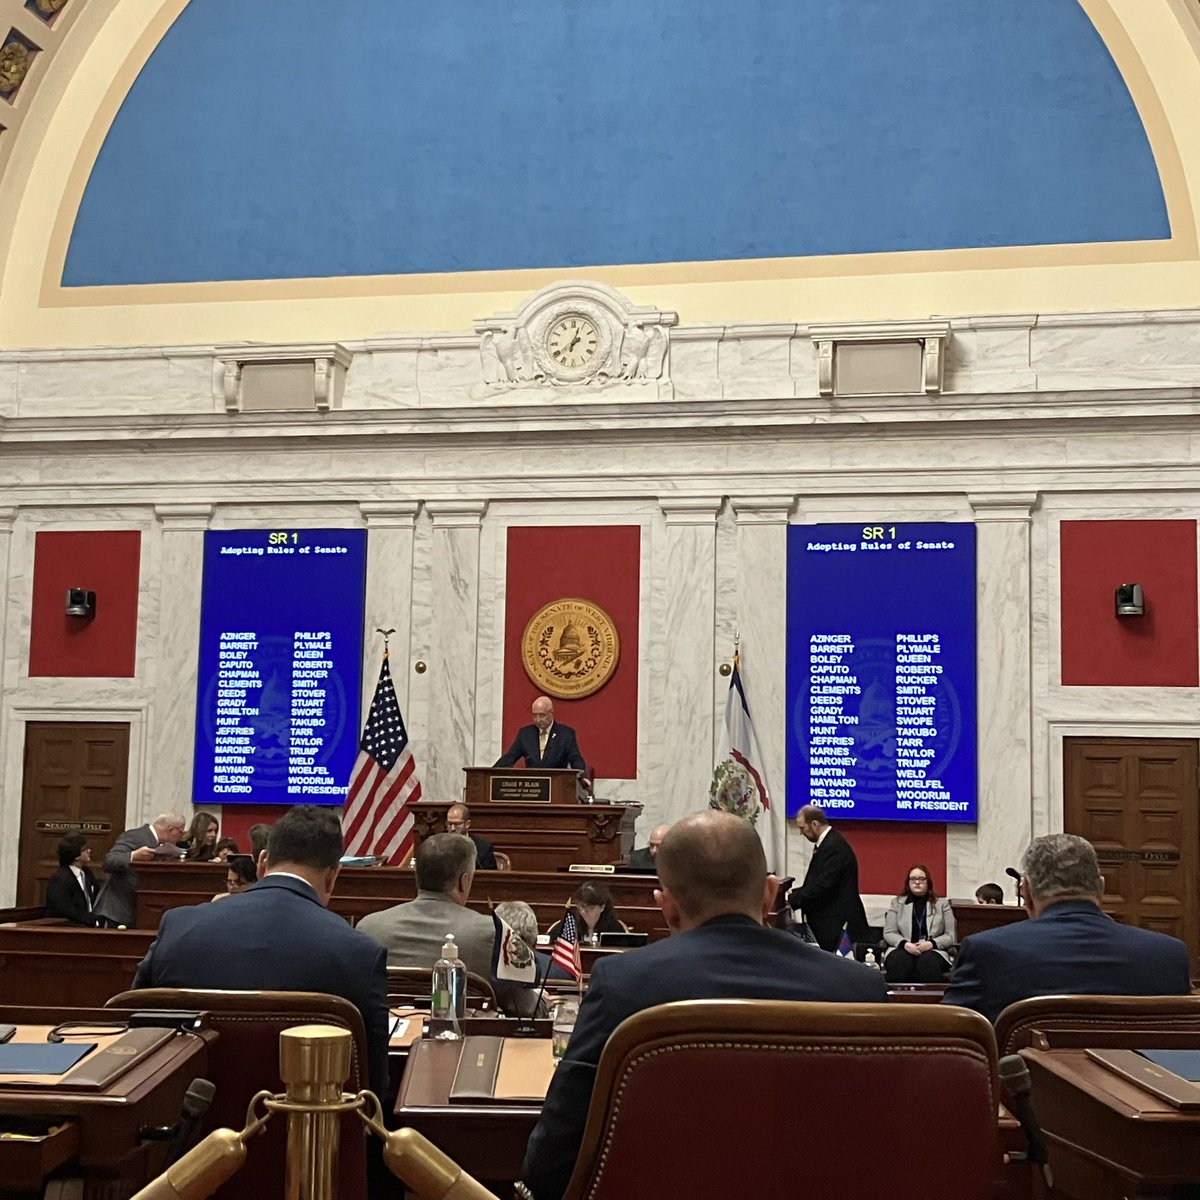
(566, 947)
(376, 819)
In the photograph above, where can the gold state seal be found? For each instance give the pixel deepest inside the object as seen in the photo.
(570, 648)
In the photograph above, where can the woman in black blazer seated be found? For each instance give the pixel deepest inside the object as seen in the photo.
(72, 889)
(593, 908)
(919, 930)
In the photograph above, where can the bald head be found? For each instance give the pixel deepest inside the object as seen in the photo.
(543, 712)
(656, 836)
(712, 865)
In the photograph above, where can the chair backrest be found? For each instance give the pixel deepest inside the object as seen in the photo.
(414, 983)
(768, 1063)
(246, 1060)
(503, 862)
(1099, 1021)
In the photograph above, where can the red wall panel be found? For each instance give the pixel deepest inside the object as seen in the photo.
(886, 849)
(106, 562)
(236, 820)
(602, 564)
(1100, 649)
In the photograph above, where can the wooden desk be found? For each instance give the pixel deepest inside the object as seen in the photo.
(67, 965)
(100, 1133)
(1107, 1138)
(970, 917)
(362, 890)
(486, 1140)
(543, 837)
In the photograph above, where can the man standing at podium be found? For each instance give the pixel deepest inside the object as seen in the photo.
(545, 743)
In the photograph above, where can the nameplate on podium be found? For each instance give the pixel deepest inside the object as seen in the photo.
(513, 789)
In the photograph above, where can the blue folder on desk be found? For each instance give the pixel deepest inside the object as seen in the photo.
(1184, 1063)
(42, 1058)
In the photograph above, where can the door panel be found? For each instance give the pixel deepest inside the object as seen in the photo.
(76, 776)
(1136, 801)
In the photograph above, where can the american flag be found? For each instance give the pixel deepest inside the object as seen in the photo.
(376, 819)
(565, 951)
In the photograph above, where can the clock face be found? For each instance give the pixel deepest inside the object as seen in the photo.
(572, 341)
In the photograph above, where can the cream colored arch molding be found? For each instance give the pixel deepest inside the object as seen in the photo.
(92, 50)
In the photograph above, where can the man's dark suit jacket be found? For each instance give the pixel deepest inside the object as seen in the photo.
(275, 936)
(485, 854)
(561, 750)
(1073, 948)
(65, 898)
(829, 894)
(642, 859)
(730, 957)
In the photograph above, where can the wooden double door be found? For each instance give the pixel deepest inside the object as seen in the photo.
(1136, 801)
(75, 781)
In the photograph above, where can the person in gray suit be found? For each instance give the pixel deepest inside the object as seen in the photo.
(919, 930)
(117, 902)
(413, 933)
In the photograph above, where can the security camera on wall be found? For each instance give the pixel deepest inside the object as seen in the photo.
(81, 603)
(1129, 600)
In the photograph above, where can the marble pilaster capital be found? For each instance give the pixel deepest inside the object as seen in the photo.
(389, 514)
(183, 518)
(690, 510)
(456, 514)
(8, 517)
(1003, 506)
(763, 510)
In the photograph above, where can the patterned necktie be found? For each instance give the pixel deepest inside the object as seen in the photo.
(543, 738)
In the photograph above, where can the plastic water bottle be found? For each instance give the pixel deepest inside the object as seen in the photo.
(869, 960)
(448, 1002)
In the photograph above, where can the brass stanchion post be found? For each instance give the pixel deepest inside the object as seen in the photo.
(314, 1061)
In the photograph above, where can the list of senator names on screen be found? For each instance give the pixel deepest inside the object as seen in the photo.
(242, 734)
(836, 720)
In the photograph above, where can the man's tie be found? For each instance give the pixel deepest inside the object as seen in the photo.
(543, 738)
(83, 884)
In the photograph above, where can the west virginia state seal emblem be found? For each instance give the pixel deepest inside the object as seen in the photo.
(570, 648)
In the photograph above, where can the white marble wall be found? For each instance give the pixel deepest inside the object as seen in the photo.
(1045, 419)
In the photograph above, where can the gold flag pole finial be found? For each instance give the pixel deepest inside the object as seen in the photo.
(387, 633)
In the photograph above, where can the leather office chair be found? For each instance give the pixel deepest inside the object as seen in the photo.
(777, 1061)
(246, 1060)
(1113, 1022)
(415, 983)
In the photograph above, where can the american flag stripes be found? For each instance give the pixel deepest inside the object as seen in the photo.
(376, 819)
(566, 947)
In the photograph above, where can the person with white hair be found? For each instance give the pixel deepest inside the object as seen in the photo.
(1070, 946)
(117, 903)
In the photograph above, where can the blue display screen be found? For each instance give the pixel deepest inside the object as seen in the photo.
(881, 671)
(281, 630)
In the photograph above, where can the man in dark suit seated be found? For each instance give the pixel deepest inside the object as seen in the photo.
(71, 890)
(458, 820)
(1070, 946)
(715, 892)
(643, 858)
(829, 895)
(279, 935)
(544, 743)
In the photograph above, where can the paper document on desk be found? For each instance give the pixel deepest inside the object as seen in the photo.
(1150, 1077)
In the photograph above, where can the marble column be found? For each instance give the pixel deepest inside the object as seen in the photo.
(10, 797)
(389, 596)
(682, 664)
(762, 529)
(1004, 695)
(173, 706)
(452, 644)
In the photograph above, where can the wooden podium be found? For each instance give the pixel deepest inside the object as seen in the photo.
(517, 785)
(535, 817)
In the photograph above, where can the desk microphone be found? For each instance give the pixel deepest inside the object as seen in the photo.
(1014, 1075)
(179, 1136)
(1013, 873)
